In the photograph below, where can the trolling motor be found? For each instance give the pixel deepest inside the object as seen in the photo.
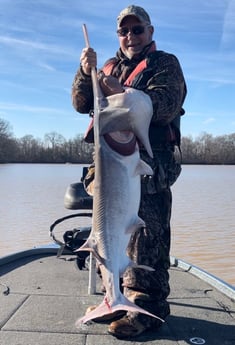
(76, 198)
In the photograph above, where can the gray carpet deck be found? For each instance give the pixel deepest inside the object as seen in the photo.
(47, 295)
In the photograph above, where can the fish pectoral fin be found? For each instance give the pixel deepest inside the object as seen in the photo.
(143, 168)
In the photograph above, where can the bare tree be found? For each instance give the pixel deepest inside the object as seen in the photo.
(54, 145)
(8, 146)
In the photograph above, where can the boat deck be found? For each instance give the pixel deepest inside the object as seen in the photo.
(42, 296)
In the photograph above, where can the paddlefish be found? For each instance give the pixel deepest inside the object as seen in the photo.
(120, 123)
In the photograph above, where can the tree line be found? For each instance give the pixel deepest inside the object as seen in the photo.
(54, 148)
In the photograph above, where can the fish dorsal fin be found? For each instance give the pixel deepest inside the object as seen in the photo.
(134, 225)
(143, 267)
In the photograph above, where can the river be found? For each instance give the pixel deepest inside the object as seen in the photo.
(203, 216)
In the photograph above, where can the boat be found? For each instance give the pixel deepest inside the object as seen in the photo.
(42, 295)
(44, 290)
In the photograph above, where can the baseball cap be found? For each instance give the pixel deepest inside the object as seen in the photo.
(136, 11)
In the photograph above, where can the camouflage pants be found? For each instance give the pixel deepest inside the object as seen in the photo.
(151, 245)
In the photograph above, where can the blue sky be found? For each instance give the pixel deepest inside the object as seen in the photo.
(41, 42)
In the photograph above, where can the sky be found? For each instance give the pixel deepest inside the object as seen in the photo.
(41, 43)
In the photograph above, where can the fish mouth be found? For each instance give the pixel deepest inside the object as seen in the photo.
(122, 142)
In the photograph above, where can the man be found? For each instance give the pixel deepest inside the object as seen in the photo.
(159, 75)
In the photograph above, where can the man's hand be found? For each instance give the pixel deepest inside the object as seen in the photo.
(110, 85)
(88, 60)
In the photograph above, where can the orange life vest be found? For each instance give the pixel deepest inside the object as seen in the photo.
(173, 133)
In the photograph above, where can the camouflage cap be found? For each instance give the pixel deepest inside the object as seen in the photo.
(136, 11)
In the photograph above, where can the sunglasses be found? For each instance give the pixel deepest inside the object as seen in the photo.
(135, 30)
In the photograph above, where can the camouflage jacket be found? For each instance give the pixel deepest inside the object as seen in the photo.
(162, 80)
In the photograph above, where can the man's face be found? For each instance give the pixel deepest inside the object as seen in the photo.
(132, 44)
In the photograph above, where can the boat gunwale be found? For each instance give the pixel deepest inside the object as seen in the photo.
(222, 286)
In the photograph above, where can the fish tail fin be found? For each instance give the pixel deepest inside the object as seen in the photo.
(105, 308)
(101, 310)
(126, 304)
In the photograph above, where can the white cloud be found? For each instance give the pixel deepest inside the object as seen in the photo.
(47, 67)
(17, 43)
(209, 120)
(31, 109)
